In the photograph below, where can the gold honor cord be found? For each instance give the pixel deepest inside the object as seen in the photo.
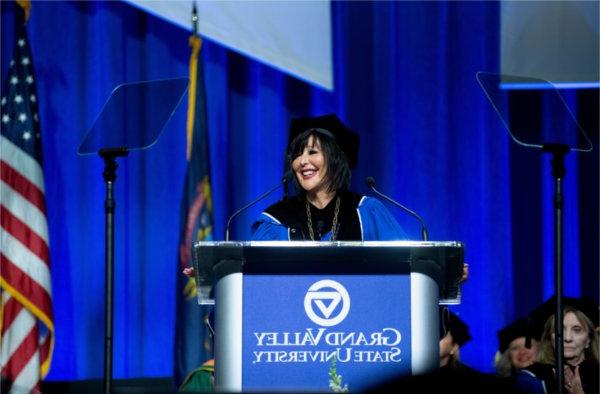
(333, 225)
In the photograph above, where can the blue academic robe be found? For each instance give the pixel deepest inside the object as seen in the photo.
(376, 224)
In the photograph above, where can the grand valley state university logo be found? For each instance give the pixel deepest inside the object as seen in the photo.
(326, 304)
(326, 295)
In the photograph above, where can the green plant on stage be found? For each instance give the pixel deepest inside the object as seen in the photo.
(335, 380)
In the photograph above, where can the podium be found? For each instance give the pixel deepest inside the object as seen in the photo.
(293, 316)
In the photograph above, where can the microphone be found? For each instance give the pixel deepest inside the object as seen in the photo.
(289, 175)
(371, 184)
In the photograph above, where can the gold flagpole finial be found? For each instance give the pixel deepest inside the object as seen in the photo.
(26, 5)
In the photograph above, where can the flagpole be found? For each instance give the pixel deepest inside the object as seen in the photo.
(191, 339)
(194, 19)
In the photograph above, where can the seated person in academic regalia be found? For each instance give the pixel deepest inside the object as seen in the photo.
(580, 350)
(454, 333)
(518, 347)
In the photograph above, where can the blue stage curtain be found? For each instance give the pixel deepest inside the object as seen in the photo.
(404, 79)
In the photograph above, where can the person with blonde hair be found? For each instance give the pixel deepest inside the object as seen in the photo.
(518, 347)
(581, 356)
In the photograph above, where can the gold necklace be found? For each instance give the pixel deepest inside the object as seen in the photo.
(334, 224)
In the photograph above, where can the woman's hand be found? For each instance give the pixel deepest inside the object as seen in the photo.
(573, 381)
(465, 274)
(189, 271)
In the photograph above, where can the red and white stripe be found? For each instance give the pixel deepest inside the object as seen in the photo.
(25, 271)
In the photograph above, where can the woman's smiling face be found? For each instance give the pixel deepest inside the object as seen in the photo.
(310, 167)
(519, 355)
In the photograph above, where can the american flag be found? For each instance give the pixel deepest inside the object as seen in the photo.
(27, 330)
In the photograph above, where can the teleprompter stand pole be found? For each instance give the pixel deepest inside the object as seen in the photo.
(110, 176)
(558, 151)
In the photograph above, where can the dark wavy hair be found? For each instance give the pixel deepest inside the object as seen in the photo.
(338, 175)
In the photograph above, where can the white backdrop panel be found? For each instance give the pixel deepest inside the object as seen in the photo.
(292, 36)
(553, 40)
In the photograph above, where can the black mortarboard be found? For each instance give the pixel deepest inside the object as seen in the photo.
(332, 126)
(584, 304)
(458, 328)
(523, 327)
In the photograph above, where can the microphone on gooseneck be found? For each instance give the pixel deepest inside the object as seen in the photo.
(284, 181)
(371, 184)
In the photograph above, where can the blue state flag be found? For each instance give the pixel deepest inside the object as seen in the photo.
(192, 341)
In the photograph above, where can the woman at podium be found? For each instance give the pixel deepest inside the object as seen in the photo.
(320, 153)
